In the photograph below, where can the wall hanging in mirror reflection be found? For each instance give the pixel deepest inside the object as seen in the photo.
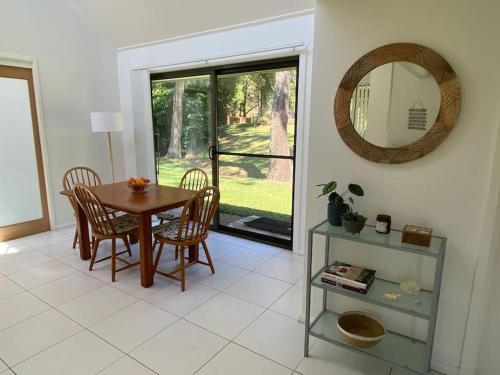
(417, 116)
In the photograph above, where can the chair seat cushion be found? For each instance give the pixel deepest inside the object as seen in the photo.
(170, 230)
(111, 211)
(125, 223)
(172, 214)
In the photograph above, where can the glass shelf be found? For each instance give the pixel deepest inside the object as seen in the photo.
(405, 303)
(399, 350)
(391, 240)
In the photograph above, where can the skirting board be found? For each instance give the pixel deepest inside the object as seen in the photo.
(64, 226)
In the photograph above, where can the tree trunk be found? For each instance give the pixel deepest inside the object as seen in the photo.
(243, 111)
(280, 169)
(194, 144)
(174, 148)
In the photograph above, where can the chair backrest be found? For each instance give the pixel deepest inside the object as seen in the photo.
(205, 206)
(94, 210)
(194, 179)
(82, 175)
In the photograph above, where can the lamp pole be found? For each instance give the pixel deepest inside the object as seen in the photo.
(111, 157)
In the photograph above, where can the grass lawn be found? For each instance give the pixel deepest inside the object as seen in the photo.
(245, 190)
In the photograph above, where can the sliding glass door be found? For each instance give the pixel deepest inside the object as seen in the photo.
(238, 124)
(256, 138)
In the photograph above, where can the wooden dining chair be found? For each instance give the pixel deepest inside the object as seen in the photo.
(193, 179)
(105, 227)
(81, 175)
(191, 228)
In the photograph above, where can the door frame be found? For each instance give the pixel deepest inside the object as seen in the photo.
(213, 72)
(23, 68)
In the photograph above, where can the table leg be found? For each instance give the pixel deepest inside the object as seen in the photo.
(83, 233)
(145, 243)
(193, 253)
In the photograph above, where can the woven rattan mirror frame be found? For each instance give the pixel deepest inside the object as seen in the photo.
(399, 52)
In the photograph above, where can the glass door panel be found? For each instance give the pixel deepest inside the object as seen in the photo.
(252, 202)
(256, 112)
(182, 126)
(23, 197)
(256, 137)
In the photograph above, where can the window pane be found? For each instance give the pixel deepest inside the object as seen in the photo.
(181, 119)
(249, 192)
(256, 112)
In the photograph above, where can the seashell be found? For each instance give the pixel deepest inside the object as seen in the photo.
(391, 295)
(411, 287)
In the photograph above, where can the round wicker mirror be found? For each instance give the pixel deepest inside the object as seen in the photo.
(397, 103)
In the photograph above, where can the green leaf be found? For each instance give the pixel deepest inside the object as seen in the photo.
(356, 190)
(328, 188)
(336, 199)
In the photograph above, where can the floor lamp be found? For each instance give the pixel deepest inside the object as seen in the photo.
(107, 122)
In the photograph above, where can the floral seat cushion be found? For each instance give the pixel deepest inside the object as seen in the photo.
(172, 214)
(111, 211)
(125, 223)
(170, 230)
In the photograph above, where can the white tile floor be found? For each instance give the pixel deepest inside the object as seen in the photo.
(56, 317)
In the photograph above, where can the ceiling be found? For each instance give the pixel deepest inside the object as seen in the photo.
(128, 22)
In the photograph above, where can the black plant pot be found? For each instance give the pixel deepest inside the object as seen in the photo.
(334, 212)
(353, 227)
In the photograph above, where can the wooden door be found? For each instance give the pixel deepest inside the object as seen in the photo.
(23, 195)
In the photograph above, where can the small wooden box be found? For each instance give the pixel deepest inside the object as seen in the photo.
(416, 235)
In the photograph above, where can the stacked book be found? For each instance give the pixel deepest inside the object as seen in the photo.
(355, 278)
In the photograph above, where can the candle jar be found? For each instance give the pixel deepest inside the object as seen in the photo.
(383, 224)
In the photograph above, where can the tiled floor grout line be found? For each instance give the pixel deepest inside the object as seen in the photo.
(142, 299)
(6, 365)
(119, 359)
(212, 357)
(70, 318)
(206, 329)
(81, 330)
(268, 308)
(235, 337)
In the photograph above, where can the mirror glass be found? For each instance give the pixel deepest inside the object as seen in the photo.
(395, 104)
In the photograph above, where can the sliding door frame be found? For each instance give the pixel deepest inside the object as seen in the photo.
(214, 72)
(43, 224)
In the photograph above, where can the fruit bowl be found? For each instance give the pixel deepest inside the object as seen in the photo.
(139, 185)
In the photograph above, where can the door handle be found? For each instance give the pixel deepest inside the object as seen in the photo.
(212, 152)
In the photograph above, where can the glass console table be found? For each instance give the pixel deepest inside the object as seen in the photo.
(396, 349)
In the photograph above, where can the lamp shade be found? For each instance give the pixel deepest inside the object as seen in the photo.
(106, 122)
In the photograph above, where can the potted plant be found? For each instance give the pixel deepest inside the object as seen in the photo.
(336, 202)
(352, 221)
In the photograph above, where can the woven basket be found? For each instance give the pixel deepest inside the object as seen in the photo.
(360, 329)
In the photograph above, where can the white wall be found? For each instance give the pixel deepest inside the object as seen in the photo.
(448, 188)
(78, 75)
(262, 40)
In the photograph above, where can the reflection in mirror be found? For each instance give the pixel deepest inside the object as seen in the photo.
(395, 104)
